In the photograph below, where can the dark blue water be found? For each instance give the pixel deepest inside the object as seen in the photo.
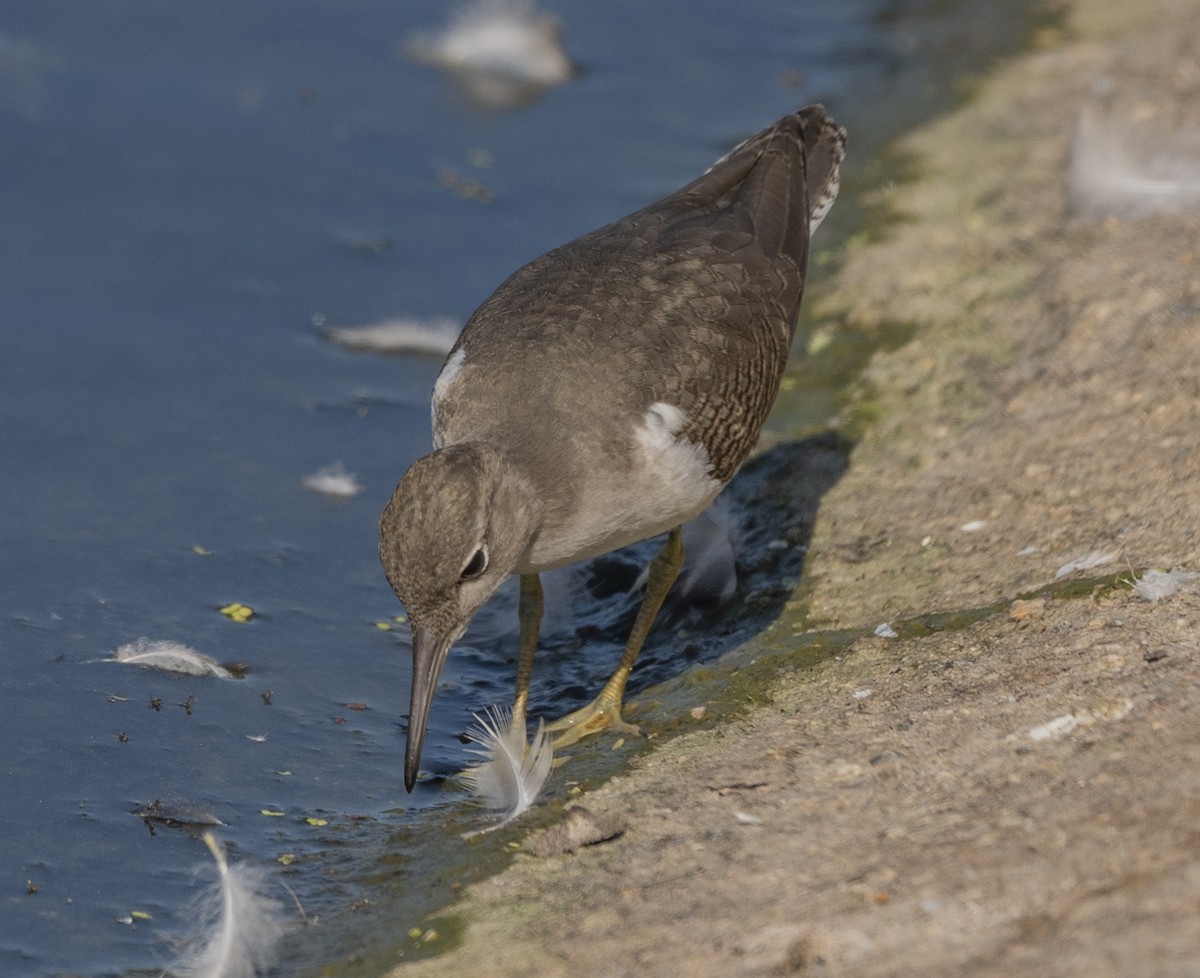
(185, 190)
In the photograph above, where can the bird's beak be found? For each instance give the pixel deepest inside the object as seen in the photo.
(429, 651)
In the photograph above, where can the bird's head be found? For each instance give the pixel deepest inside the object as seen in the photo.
(458, 524)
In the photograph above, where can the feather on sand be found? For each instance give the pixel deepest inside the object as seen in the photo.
(513, 772)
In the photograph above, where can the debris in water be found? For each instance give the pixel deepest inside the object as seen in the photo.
(176, 813)
(236, 611)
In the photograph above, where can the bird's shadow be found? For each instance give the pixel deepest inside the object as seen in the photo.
(766, 514)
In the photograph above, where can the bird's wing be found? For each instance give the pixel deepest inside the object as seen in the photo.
(691, 301)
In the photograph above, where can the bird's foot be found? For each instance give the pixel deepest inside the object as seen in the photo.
(597, 716)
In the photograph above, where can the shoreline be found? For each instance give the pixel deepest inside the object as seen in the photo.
(988, 800)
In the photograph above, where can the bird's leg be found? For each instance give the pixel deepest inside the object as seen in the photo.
(604, 712)
(529, 610)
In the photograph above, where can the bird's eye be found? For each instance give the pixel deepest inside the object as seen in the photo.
(476, 565)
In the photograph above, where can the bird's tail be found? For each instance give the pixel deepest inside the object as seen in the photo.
(779, 184)
(805, 146)
(824, 150)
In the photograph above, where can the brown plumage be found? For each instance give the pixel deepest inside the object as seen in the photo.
(607, 391)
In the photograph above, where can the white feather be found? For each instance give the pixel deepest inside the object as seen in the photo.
(239, 925)
(333, 480)
(709, 572)
(1116, 171)
(432, 336)
(1090, 561)
(1154, 585)
(170, 657)
(513, 772)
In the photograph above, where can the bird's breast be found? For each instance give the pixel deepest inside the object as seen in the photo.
(653, 482)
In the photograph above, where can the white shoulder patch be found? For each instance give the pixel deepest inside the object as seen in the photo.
(442, 387)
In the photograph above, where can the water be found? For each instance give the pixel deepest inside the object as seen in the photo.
(185, 190)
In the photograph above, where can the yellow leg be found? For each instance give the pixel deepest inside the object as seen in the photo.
(529, 610)
(604, 712)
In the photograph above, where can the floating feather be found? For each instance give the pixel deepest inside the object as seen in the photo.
(238, 924)
(332, 480)
(709, 572)
(502, 53)
(508, 37)
(513, 772)
(431, 336)
(170, 657)
(1113, 171)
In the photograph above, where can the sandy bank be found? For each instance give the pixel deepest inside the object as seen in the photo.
(1020, 796)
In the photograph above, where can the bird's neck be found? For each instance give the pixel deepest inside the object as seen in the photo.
(517, 507)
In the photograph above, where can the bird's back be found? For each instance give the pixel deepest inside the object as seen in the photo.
(690, 302)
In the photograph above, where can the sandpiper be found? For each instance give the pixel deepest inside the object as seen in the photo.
(605, 394)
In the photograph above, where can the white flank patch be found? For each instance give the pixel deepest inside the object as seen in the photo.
(513, 772)
(332, 480)
(682, 464)
(664, 420)
(432, 336)
(169, 657)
